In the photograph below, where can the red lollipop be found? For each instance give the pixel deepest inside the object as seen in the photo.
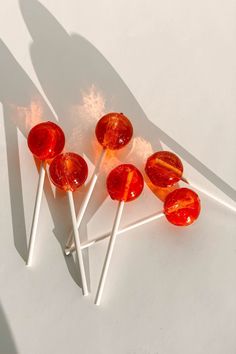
(69, 172)
(45, 141)
(124, 183)
(113, 131)
(182, 207)
(165, 169)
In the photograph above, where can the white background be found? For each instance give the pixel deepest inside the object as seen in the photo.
(171, 67)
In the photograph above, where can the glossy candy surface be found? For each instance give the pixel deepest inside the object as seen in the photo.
(182, 207)
(46, 140)
(114, 131)
(125, 183)
(68, 171)
(164, 169)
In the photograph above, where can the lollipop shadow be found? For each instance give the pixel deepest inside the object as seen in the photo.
(23, 107)
(7, 345)
(19, 98)
(81, 85)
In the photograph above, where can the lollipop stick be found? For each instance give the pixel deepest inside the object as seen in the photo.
(216, 199)
(77, 244)
(36, 213)
(129, 227)
(109, 253)
(87, 197)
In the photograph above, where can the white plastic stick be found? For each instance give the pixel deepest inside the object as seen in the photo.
(129, 227)
(87, 197)
(35, 220)
(203, 191)
(109, 253)
(77, 244)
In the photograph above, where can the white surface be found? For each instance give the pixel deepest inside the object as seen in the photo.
(178, 60)
(110, 250)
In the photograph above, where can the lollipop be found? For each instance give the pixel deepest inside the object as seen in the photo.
(69, 172)
(124, 184)
(45, 141)
(164, 169)
(181, 208)
(113, 132)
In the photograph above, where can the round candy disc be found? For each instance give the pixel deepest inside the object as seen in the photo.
(46, 140)
(68, 171)
(114, 131)
(125, 183)
(182, 207)
(164, 169)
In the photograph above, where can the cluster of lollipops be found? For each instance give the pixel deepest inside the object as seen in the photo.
(68, 172)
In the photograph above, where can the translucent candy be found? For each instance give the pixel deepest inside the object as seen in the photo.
(125, 183)
(68, 171)
(164, 169)
(182, 207)
(114, 131)
(46, 140)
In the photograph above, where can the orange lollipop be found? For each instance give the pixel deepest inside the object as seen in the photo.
(182, 207)
(114, 131)
(164, 169)
(69, 172)
(124, 183)
(45, 141)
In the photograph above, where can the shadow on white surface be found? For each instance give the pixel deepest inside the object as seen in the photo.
(23, 107)
(7, 345)
(80, 85)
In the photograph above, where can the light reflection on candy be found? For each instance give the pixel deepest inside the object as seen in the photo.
(69, 172)
(45, 141)
(124, 183)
